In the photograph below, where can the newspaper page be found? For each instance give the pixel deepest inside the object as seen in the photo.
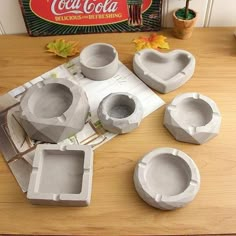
(18, 149)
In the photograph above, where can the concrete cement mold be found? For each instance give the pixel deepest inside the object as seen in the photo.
(164, 72)
(53, 109)
(99, 61)
(62, 175)
(192, 118)
(120, 112)
(167, 178)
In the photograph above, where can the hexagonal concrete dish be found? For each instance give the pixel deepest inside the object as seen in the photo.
(62, 175)
(53, 109)
(120, 112)
(167, 178)
(164, 72)
(192, 118)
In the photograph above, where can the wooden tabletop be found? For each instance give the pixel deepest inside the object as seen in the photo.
(115, 207)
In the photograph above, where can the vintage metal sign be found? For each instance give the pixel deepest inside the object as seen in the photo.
(52, 17)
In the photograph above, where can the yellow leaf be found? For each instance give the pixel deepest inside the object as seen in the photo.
(63, 48)
(154, 41)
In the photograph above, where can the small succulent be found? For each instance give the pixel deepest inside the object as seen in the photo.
(185, 13)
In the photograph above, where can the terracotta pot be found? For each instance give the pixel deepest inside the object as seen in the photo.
(183, 28)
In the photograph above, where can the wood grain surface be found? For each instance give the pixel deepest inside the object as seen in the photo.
(116, 208)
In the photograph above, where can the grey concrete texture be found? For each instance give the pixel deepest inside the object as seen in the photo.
(164, 72)
(21, 169)
(192, 118)
(62, 175)
(53, 110)
(167, 178)
(120, 113)
(99, 61)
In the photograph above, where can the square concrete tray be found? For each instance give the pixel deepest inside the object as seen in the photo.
(164, 72)
(62, 175)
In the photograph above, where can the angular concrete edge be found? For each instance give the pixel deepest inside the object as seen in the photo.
(21, 170)
(53, 121)
(154, 80)
(188, 128)
(76, 171)
(7, 101)
(99, 61)
(160, 200)
(120, 112)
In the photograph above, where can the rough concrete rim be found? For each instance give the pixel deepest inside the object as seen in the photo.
(81, 199)
(71, 85)
(193, 131)
(157, 200)
(65, 120)
(99, 72)
(157, 83)
(121, 125)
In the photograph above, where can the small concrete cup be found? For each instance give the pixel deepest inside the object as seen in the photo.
(99, 61)
(120, 112)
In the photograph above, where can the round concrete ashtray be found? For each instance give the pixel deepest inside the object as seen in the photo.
(167, 178)
(99, 61)
(192, 118)
(47, 109)
(120, 112)
(56, 96)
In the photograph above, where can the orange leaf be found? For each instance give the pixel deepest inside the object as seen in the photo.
(154, 41)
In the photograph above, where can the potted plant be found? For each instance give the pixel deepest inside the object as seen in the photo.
(184, 21)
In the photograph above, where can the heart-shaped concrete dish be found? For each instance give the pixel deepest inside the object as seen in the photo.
(164, 72)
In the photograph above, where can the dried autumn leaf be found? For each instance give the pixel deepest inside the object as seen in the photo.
(63, 48)
(154, 41)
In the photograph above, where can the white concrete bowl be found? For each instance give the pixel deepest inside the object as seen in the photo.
(99, 61)
(164, 72)
(192, 118)
(120, 112)
(62, 175)
(53, 109)
(167, 178)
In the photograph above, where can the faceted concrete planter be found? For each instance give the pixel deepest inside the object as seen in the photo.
(167, 178)
(120, 112)
(99, 61)
(53, 110)
(62, 175)
(192, 118)
(164, 72)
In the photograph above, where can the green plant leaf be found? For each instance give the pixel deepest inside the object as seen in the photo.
(181, 14)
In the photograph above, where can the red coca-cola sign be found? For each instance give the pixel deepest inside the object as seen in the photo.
(83, 12)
